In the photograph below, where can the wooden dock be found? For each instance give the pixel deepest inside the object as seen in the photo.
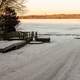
(6, 46)
(42, 39)
(14, 40)
(15, 35)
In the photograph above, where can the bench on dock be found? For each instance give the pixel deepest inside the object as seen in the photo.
(43, 39)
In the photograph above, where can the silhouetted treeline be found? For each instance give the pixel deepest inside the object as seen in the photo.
(54, 16)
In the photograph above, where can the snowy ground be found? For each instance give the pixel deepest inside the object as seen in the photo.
(58, 60)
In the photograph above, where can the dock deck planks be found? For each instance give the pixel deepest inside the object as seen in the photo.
(6, 46)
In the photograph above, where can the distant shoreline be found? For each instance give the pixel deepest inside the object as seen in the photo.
(54, 16)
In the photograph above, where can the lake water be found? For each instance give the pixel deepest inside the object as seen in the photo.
(51, 26)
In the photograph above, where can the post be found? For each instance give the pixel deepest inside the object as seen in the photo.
(36, 35)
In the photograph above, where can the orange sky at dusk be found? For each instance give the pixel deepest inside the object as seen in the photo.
(52, 6)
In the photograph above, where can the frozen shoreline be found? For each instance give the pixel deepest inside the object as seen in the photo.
(58, 60)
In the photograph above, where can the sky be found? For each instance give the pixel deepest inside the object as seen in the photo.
(52, 6)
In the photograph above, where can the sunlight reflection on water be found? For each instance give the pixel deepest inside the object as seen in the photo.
(68, 21)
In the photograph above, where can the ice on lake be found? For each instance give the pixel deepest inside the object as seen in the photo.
(51, 26)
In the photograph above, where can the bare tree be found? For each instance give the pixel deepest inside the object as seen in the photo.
(15, 4)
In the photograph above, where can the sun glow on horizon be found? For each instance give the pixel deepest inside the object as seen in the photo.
(53, 6)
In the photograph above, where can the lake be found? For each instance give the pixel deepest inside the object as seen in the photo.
(51, 26)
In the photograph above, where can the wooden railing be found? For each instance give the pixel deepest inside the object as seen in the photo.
(16, 35)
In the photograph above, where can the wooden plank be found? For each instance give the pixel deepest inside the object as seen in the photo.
(36, 42)
(12, 46)
(15, 35)
(43, 39)
(77, 38)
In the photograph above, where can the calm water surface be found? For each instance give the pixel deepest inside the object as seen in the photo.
(51, 26)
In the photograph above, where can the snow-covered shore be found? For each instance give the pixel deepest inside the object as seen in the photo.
(58, 60)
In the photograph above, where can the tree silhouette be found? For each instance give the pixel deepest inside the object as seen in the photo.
(8, 20)
(8, 16)
(15, 4)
